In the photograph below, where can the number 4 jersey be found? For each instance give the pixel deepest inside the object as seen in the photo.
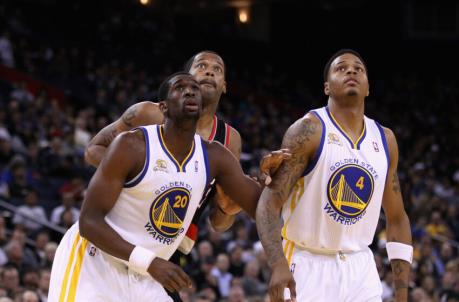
(335, 205)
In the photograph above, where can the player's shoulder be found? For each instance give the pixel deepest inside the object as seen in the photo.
(130, 140)
(143, 113)
(307, 126)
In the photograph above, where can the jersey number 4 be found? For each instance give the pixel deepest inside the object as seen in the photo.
(360, 183)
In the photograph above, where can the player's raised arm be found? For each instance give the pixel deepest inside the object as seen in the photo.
(399, 248)
(302, 139)
(140, 114)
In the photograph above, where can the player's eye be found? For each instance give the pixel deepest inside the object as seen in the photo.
(201, 66)
(218, 69)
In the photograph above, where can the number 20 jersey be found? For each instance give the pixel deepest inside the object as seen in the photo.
(335, 205)
(156, 207)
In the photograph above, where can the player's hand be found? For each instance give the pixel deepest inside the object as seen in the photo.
(226, 204)
(169, 275)
(271, 162)
(281, 278)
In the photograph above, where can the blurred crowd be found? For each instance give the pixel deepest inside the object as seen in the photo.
(43, 173)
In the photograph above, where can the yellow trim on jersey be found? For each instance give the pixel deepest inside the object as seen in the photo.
(76, 271)
(297, 192)
(346, 134)
(67, 269)
(180, 165)
(290, 254)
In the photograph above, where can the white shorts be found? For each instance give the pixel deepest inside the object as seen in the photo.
(83, 273)
(349, 277)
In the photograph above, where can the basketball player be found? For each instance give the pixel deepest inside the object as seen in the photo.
(343, 168)
(139, 202)
(209, 70)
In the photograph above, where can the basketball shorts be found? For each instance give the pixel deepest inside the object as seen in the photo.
(348, 277)
(81, 273)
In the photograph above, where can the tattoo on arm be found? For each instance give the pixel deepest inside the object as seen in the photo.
(129, 116)
(108, 135)
(268, 211)
(269, 229)
(400, 268)
(287, 177)
(395, 183)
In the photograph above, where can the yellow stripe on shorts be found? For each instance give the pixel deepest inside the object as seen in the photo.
(80, 244)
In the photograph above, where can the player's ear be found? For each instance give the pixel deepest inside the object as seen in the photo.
(326, 88)
(163, 107)
(224, 87)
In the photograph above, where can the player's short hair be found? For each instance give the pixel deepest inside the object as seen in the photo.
(163, 90)
(339, 53)
(189, 63)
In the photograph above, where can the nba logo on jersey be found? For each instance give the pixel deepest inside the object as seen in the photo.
(375, 146)
(196, 165)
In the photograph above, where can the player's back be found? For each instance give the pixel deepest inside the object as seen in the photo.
(336, 204)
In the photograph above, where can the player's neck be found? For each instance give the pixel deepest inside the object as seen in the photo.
(206, 118)
(349, 114)
(178, 136)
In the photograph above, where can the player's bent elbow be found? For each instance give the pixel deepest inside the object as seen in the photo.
(88, 156)
(85, 225)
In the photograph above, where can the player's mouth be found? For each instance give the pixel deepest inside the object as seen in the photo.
(208, 82)
(191, 105)
(351, 82)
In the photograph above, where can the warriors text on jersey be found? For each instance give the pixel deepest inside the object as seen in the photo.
(335, 205)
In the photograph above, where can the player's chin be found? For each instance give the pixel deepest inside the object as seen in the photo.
(352, 91)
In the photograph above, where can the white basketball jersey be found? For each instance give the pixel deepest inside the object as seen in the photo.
(335, 205)
(156, 207)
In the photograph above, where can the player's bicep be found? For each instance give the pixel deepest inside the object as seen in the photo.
(302, 139)
(235, 143)
(109, 178)
(392, 198)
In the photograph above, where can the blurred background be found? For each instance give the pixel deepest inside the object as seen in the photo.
(69, 68)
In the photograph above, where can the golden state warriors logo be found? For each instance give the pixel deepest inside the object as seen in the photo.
(160, 165)
(168, 211)
(349, 192)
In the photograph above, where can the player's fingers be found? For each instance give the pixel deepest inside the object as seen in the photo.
(268, 180)
(185, 278)
(175, 281)
(292, 288)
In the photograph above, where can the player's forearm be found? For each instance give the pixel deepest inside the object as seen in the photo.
(97, 231)
(269, 227)
(398, 230)
(94, 153)
(220, 221)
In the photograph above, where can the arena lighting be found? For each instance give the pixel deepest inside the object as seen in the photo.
(243, 14)
(144, 2)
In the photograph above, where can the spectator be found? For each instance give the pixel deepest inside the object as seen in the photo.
(223, 277)
(31, 215)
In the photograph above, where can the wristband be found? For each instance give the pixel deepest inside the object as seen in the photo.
(397, 250)
(141, 258)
